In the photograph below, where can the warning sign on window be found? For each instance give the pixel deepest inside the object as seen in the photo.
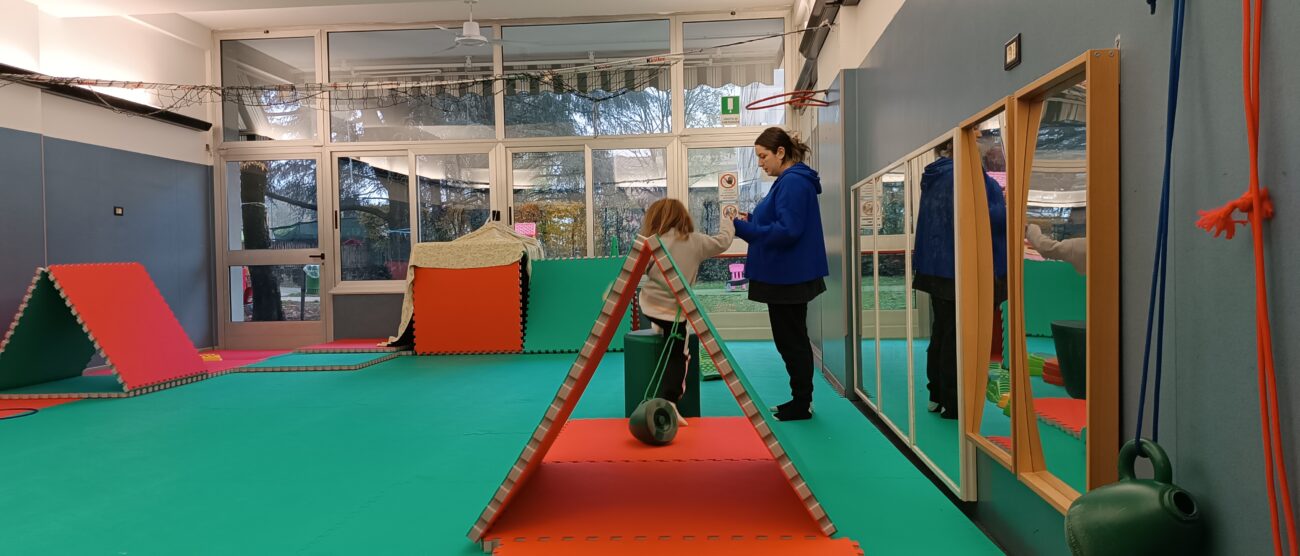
(869, 211)
(730, 111)
(727, 188)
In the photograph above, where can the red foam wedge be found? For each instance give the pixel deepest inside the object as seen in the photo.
(468, 310)
(712, 546)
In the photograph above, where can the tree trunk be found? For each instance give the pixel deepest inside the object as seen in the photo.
(257, 235)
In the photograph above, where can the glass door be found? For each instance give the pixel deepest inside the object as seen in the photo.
(272, 259)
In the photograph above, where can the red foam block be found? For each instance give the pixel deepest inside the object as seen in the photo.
(124, 312)
(706, 438)
(468, 310)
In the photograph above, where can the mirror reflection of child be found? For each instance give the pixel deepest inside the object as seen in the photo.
(1073, 250)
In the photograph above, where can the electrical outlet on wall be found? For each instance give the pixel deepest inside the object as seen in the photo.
(1011, 53)
(118, 211)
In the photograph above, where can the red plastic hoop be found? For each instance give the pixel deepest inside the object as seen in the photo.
(797, 99)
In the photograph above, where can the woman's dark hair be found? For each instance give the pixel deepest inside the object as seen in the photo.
(944, 149)
(774, 138)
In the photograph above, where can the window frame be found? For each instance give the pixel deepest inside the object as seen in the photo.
(327, 152)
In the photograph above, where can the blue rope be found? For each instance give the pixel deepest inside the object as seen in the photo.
(1159, 269)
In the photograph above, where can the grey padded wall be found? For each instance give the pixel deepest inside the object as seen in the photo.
(22, 218)
(832, 305)
(940, 61)
(366, 316)
(56, 206)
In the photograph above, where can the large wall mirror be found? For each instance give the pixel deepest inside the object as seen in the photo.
(983, 159)
(906, 369)
(1060, 360)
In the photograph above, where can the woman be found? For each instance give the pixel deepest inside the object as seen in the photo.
(787, 259)
(934, 267)
(669, 219)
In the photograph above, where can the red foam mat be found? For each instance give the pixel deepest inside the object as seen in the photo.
(354, 345)
(246, 355)
(1067, 414)
(7, 406)
(707, 438)
(656, 499)
(822, 546)
(468, 310)
(129, 319)
(1003, 441)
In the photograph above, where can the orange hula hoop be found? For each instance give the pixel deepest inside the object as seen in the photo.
(798, 99)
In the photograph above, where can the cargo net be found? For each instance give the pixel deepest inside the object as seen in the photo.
(593, 83)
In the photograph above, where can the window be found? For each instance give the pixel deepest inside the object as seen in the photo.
(627, 182)
(271, 204)
(545, 104)
(374, 217)
(275, 293)
(458, 111)
(550, 191)
(454, 194)
(751, 71)
(703, 169)
(268, 115)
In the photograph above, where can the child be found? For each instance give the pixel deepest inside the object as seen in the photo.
(669, 219)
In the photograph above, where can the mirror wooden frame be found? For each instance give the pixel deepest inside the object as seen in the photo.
(1100, 68)
(975, 276)
(913, 164)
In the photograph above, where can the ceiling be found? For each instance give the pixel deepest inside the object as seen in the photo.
(261, 14)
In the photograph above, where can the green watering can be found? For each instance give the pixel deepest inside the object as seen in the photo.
(1136, 516)
(654, 422)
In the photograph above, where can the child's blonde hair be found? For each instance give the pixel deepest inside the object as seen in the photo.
(667, 215)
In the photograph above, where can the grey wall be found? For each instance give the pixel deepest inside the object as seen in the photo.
(366, 316)
(940, 61)
(832, 307)
(21, 217)
(57, 207)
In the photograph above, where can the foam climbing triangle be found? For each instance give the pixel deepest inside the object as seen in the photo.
(73, 312)
(540, 499)
(468, 310)
(564, 297)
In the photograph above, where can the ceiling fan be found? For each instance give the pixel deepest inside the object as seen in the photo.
(471, 35)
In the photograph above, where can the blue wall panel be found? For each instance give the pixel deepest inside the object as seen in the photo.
(22, 225)
(167, 225)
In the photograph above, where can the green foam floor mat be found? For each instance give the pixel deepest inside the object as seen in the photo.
(564, 298)
(317, 362)
(394, 460)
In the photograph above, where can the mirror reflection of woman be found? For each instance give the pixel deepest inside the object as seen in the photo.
(934, 267)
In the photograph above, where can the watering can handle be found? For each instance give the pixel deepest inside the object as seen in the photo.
(1159, 460)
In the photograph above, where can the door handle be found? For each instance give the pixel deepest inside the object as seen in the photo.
(320, 256)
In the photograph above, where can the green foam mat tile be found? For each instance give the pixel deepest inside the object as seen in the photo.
(707, 370)
(317, 362)
(45, 343)
(565, 297)
(1053, 291)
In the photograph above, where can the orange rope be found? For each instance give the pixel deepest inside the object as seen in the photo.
(1258, 207)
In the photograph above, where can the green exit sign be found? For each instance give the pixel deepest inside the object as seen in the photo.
(730, 111)
(731, 106)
